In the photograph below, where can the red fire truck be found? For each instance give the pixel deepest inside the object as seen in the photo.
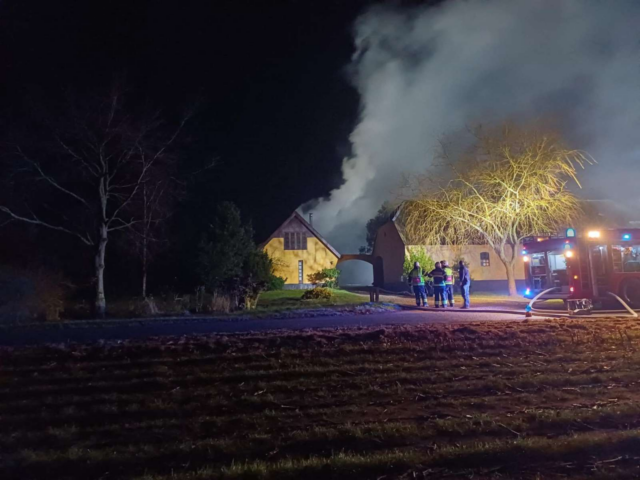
(584, 269)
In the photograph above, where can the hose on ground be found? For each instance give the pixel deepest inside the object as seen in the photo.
(627, 312)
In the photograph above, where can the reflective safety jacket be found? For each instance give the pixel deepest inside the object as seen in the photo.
(438, 276)
(448, 279)
(416, 278)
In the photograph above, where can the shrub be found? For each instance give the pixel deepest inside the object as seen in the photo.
(49, 294)
(275, 283)
(200, 302)
(37, 294)
(220, 302)
(230, 262)
(224, 249)
(127, 308)
(138, 307)
(327, 277)
(417, 254)
(318, 293)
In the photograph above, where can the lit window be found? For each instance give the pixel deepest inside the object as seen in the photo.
(300, 272)
(484, 259)
(626, 258)
(295, 241)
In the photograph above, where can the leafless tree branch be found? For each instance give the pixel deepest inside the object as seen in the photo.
(50, 179)
(36, 221)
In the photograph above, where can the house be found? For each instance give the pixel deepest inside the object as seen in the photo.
(486, 269)
(298, 251)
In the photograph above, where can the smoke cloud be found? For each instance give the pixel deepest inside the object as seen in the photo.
(431, 71)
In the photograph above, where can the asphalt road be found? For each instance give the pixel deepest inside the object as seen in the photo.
(84, 333)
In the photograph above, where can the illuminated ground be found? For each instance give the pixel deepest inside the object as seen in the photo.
(504, 400)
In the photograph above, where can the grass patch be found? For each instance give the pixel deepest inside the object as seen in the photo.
(270, 303)
(292, 299)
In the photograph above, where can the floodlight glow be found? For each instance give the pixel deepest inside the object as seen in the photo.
(575, 277)
(568, 253)
(525, 258)
(594, 234)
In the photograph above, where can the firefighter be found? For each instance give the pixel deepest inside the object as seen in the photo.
(438, 276)
(448, 282)
(428, 286)
(416, 280)
(465, 282)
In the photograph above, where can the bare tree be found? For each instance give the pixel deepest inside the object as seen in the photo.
(154, 206)
(84, 171)
(513, 183)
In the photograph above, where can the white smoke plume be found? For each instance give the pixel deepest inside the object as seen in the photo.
(425, 72)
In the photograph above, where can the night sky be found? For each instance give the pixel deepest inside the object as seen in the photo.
(276, 105)
(278, 101)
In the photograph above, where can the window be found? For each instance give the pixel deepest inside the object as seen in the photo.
(557, 261)
(599, 259)
(626, 258)
(295, 241)
(484, 259)
(538, 260)
(300, 272)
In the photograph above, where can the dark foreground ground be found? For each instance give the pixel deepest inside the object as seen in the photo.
(144, 328)
(502, 400)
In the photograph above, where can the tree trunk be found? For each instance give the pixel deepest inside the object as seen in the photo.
(145, 231)
(511, 279)
(101, 303)
(144, 267)
(510, 267)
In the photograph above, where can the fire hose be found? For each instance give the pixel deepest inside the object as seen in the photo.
(627, 312)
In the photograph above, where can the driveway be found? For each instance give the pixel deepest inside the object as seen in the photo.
(84, 333)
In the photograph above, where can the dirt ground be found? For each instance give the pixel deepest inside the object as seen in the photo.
(477, 300)
(529, 400)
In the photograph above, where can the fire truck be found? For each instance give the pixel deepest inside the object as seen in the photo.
(584, 270)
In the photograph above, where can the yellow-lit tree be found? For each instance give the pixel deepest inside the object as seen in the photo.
(512, 183)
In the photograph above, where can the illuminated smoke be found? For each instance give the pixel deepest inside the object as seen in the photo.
(429, 71)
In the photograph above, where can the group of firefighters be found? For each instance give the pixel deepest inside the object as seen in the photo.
(441, 281)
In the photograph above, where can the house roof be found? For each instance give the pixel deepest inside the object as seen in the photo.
(610, 213)
(400, 231)
(395, 216)
(396, 219)
(307, 225)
